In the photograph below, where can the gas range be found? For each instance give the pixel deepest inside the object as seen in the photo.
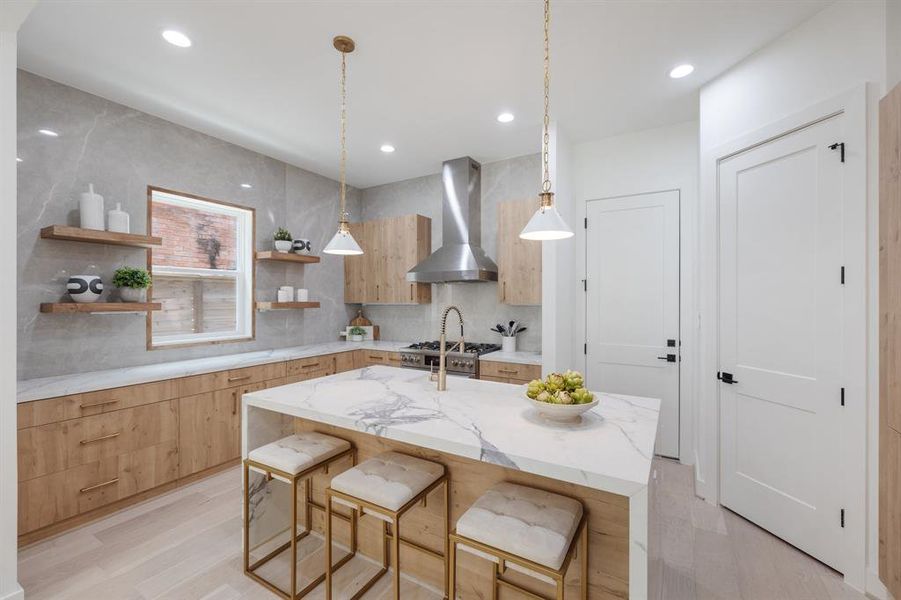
(426, 355)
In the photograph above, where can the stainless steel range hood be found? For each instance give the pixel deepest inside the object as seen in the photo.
(460, 257)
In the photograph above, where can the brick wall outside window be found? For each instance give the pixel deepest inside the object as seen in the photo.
(191, 238)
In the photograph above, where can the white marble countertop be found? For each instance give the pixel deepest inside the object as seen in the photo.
(29, 390)
(521, 358)
(610, 449)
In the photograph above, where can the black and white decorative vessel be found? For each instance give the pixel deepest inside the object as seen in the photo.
(84, 288)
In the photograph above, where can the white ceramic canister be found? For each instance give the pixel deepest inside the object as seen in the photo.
(303, 295)
(90, 209)
(508, 343)
(117, 220)
(284, 296)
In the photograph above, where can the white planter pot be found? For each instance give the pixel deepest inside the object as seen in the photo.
(356, 338)
(133, 294)
(508, 344)
(283, 245)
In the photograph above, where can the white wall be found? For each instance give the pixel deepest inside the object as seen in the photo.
(892, 44)
(559, 280)
(11, 16)
(839, 48)
(659, 159)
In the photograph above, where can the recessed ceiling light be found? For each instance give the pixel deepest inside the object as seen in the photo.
(505, 117)
(49, 132)
(177, 38)
(387, 148)
(681, 71)
(18, 159)
(246, 186)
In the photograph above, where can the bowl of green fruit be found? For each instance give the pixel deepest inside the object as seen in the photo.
(561, 396)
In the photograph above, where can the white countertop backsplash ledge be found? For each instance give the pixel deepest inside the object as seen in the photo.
(29, 390)
(610, 449)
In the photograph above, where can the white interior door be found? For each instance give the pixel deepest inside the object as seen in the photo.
(781, 336)
(633, 303)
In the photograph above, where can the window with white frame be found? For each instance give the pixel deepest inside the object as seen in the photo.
(203, 273)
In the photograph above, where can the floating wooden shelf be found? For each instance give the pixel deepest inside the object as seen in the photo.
(99, 307)
(95, 236)
(285, 305)
(286, 257)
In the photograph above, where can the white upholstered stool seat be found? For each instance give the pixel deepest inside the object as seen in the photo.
(389, 480)
(524, 521)
(525, 529)
(298, 452)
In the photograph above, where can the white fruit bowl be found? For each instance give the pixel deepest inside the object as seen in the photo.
(563, 412)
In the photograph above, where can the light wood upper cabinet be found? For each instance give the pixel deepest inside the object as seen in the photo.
(391, 247)
(890, 341)
(518, 260)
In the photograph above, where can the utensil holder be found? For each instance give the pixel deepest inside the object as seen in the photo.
(508, 343)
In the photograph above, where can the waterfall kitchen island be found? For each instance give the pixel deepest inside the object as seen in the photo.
(483, 432)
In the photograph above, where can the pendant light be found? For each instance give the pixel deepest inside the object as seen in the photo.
(343, 243)
(546, 223)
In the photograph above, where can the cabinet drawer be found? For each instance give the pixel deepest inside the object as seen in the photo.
(60, 446)
(220, 380)
(54, 410)
(313, 363)
(380, 357)
(344, 362)
(522, 373)
(255, 374)
(306, 376)
(58, 496)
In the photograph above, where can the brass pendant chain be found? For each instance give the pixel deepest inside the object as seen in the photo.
(343, 141)
(545, 150)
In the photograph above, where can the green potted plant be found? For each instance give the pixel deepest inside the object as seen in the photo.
(283, 240)
(357, 334)
(132, 283)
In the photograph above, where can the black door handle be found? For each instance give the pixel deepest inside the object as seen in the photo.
(668, 358)
(726, 377)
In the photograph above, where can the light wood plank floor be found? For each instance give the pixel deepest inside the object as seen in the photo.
(186, 545)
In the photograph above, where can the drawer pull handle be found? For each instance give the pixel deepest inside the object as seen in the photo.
(310, 366)
(99, 485)
(376, 357)
(100, 439)
(511, 371)
(84, 406)
(242, 378)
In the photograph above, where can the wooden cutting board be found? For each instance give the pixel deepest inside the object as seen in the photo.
(360, 320)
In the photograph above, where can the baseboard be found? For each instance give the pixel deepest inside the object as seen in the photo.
(875, 588)
(16, 594)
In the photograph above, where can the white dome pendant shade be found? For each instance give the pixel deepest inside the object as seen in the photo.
(343, 244)
(547, 223)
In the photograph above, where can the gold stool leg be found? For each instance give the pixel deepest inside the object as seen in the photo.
(446, 537)
(561, 588)
(584, 560)
(396, 542)
(452, 567)
(293, 589)
(246, 518)
(328, 545)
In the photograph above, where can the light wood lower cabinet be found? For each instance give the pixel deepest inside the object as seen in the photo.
(508, 372)
(99, 451)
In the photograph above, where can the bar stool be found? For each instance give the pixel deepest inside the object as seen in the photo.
(524, 529)
(291, 459)
(386, 487)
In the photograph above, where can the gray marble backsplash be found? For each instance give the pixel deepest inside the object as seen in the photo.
(122, 151)
(512, 179)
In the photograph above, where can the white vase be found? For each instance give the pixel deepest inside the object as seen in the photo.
(128, 294)
(283, 245)
(508, 343)
(84, 288)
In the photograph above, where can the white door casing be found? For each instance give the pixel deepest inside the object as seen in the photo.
(780, 336)
(632, 303)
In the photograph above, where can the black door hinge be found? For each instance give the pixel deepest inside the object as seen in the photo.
(843, 517)
(585, 349)
(586, 222)
(843, 396)
(843, 275)
(840, 146)
(585, 285)
(726, 377)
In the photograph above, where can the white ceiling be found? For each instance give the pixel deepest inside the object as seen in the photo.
(428, 76)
